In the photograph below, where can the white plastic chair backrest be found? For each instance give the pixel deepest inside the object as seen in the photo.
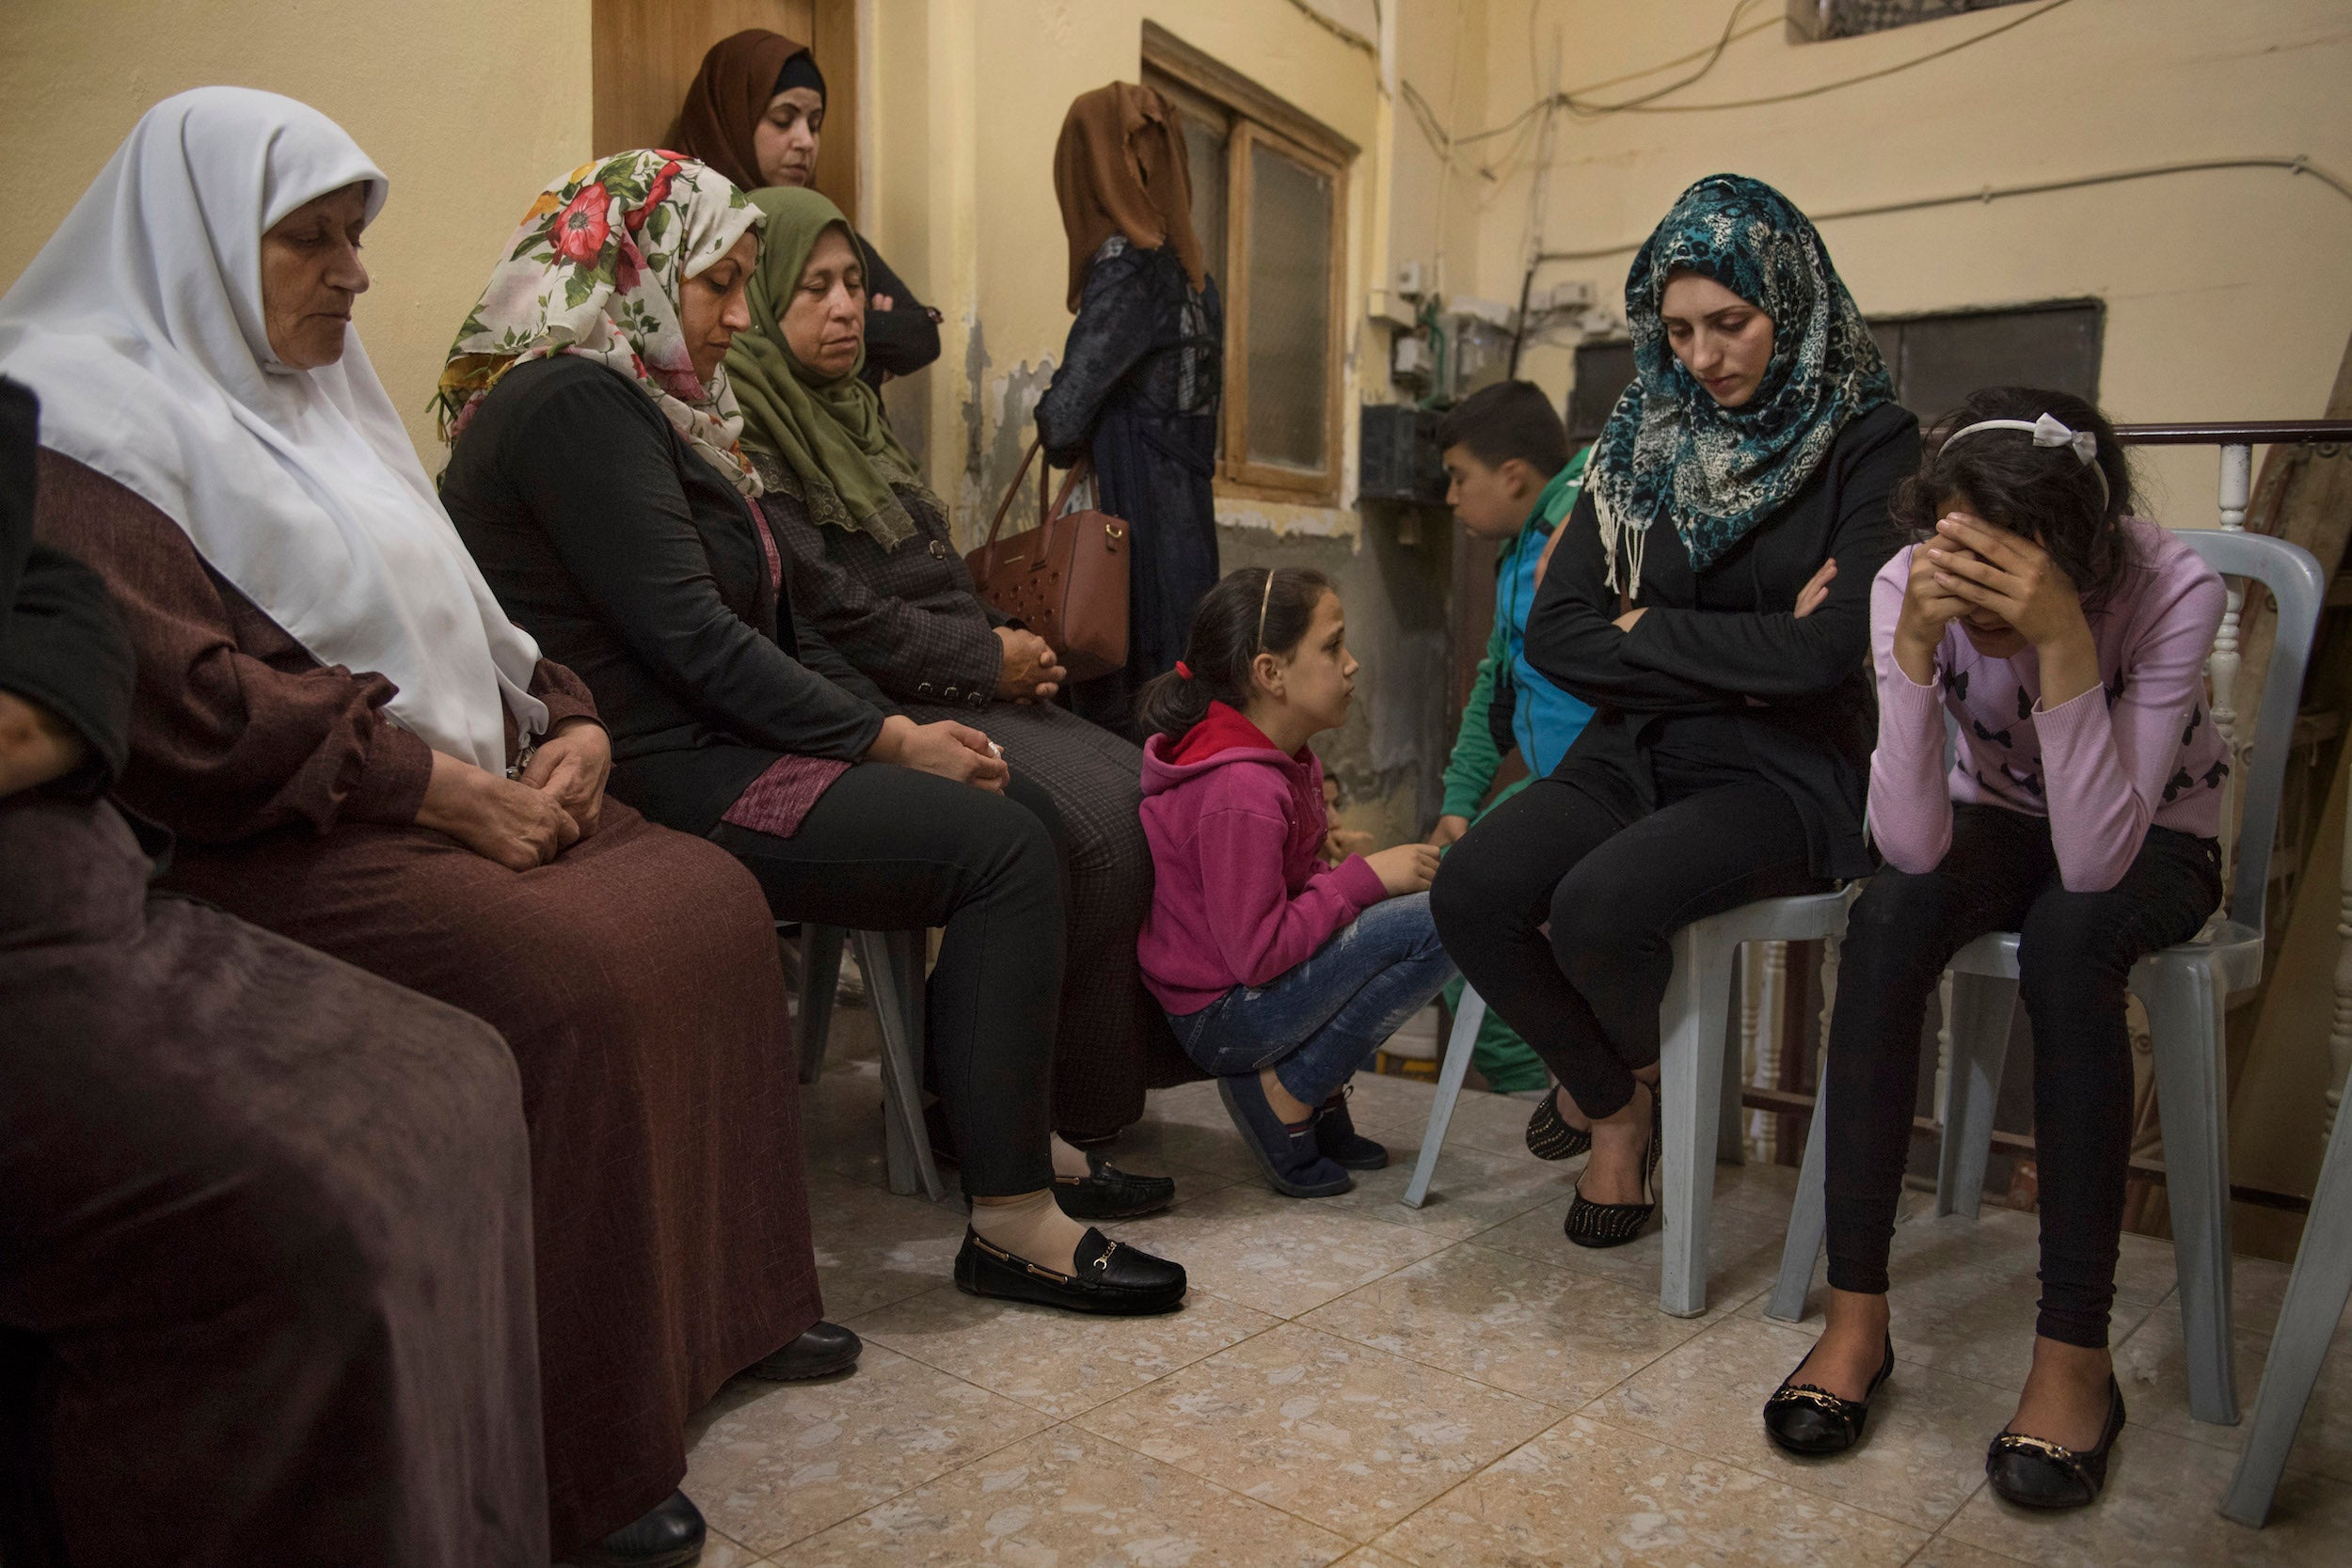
(2299, 590)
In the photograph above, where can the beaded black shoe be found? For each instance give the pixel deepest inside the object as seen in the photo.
(1600, 1225)
(2033, 1472)
(1809, 1420)
(1337, 1139)
(1550, 1137)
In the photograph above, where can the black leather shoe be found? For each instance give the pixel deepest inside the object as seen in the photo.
(824, 1350)
(1337, 1139)
(1113, 1278)
(669, 1537)
(1808, 1419)
(2033, 1473)
(1550, 1137)
(1107, 1193)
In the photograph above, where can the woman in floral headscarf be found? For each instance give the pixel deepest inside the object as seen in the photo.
(596, 477)
(1710, 597)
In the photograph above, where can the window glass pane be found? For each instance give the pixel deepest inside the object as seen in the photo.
(1204, 150)
(1290, 310)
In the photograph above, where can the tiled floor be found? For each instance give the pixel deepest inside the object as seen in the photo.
(1360, 1384)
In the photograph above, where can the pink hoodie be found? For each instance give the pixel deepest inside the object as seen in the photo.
(1239, 897)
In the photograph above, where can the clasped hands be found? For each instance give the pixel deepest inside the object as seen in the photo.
(527, 821)
(1030, 671)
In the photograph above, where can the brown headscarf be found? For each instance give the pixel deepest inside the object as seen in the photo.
(1120, 169)
(729, 95)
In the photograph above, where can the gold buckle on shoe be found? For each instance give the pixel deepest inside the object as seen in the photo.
(1003, 1257)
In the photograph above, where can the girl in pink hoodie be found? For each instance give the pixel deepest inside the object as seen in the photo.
(1279, 975)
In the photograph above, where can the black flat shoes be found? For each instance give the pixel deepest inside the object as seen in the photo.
(1550, 1137)
(1604, 1225)
(2032, 1472)
(671, 1536)
(1107, 1193)
(1112, 1279)
(1811, 1421)
(824, 1350)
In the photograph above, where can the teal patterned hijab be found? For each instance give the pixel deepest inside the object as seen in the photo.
(1670, 450)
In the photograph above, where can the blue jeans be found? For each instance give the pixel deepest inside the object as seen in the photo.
(1320, 1021)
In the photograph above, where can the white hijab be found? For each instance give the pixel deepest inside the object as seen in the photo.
(140, 326)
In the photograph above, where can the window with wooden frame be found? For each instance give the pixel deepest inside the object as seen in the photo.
(1269, 202)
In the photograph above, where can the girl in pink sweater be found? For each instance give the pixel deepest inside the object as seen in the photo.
(2065, 640)
(1279, 975)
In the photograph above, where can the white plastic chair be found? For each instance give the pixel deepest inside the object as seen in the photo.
(1468, 1015)
(892, 963)
(2316, 1294)
(2184, 989)
(1699, 1076)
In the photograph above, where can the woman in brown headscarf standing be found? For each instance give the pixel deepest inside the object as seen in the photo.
(1140, 376)
(755, 113)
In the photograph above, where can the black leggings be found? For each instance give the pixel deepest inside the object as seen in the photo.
(891, 849)
(2074, 956)
(1616, 885)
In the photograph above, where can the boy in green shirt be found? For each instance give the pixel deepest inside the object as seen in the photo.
(1511, 479)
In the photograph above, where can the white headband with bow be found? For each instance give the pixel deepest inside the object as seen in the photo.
(2047, 431)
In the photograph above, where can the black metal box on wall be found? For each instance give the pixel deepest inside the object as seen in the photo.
(1398, 456)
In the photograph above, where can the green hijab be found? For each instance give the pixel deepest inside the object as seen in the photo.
(823, 440)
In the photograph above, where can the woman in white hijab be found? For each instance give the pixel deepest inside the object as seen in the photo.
(359, 751)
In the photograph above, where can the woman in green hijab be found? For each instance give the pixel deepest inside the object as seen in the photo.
(874, 568)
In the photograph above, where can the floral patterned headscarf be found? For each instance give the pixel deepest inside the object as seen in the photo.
(595, 270)
(1669, 448)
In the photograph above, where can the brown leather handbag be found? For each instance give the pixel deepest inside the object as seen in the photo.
(1066, 580)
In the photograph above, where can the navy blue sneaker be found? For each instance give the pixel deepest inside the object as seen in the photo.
(1290, 1158)
(1341, 1144)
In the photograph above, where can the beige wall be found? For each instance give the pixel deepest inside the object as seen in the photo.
(468, 107)
(2226, 292)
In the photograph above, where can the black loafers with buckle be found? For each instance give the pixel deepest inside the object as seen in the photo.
(1112, 1279)
(2034, 1473)
(1107, 1193)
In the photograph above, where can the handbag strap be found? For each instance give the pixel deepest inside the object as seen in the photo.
(1046, 509)
(1013, 489)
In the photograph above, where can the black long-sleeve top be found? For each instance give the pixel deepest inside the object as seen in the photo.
(1720, 662)
(62, 646)
(903, 338)
(637, 566)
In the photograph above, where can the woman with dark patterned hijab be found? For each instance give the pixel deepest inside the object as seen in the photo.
(757, 114)
(1710, 597)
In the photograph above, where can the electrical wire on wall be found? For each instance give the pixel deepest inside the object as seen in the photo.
(1579, 103)
(2293, 165)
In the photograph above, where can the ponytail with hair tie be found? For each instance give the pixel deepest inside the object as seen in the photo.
(1250, 612)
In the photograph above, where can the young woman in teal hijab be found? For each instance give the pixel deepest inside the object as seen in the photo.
(1709, 597)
